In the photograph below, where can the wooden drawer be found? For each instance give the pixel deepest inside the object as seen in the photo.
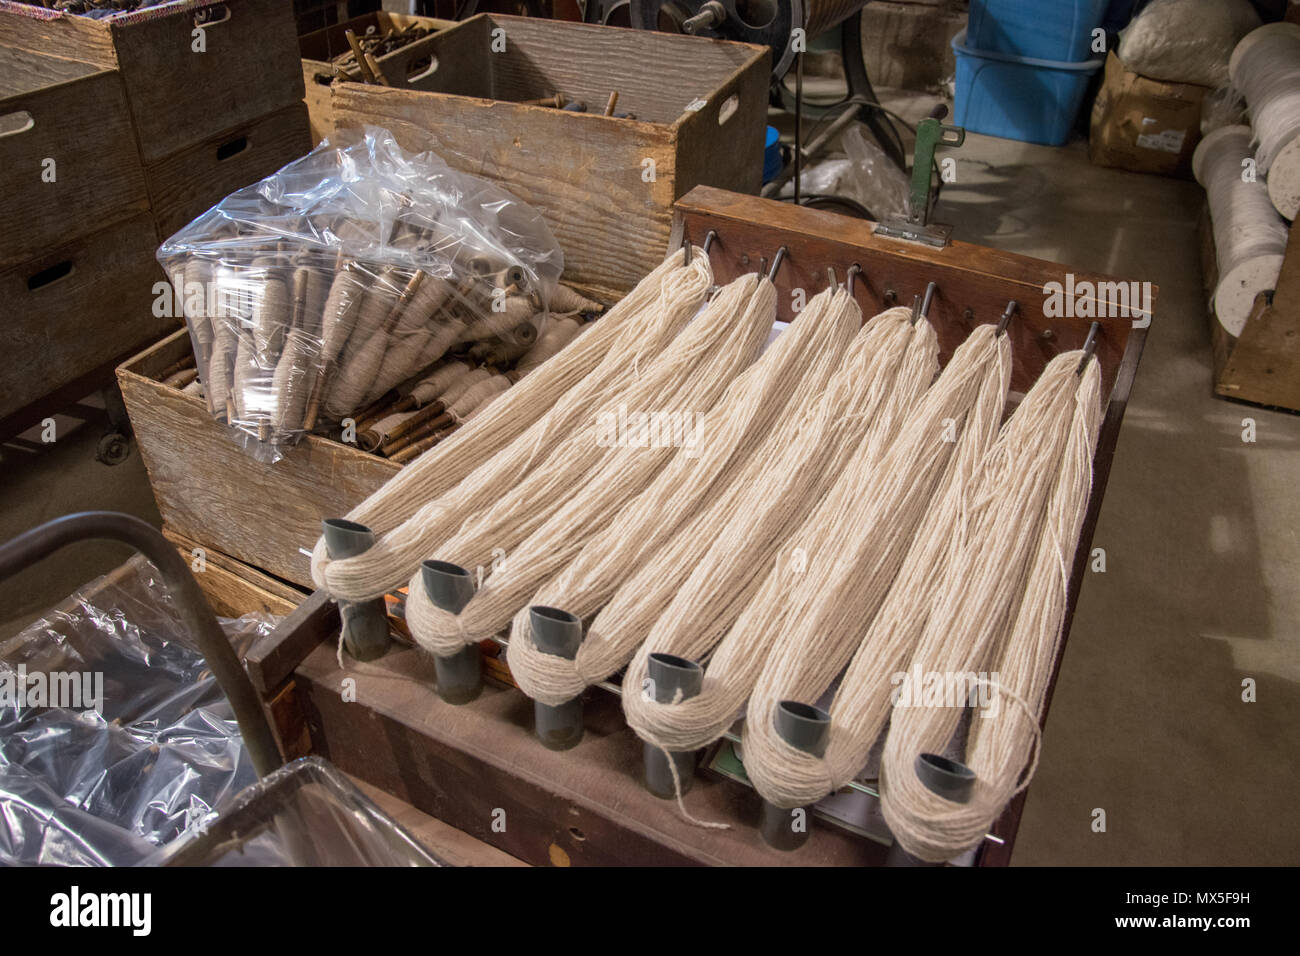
(210, 491)
(67, 153)
(77, 306)
(605, 185)
(189, 183)
(179, 95)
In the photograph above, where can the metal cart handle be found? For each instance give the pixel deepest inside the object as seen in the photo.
(196, 613)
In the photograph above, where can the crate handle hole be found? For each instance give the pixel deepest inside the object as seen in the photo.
(11, 124)
(50, 275)
(211, 16)
(324, 79)
(728, 108)
(419, 68)
(233, 148)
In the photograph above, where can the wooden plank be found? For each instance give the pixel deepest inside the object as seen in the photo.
(95, 304)
(234, 588)
(249, 67)
(660, 77)
(272, 659)
(187, 184)
(974, 283)
(62, 35)
(74, 167)
(1263, 366)
(711, 140)
(585, 806)
(583, 173)
(604, 185)
(209, 490)
(179, 95)
(446, 842)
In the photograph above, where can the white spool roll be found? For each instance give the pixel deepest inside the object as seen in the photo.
(1249, 236)
(1265, 67)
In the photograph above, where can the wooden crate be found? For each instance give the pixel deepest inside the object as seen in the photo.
(587, 805)
(67, 153)
(211, 492)
(178, 97)
(76, 308)
(320, 47)
(605, 185)
(1262, 364)
(187, 184)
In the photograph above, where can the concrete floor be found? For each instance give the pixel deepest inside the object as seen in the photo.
(1202, 586)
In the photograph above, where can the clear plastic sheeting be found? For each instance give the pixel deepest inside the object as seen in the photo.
(114, 737)
(304, 814)
(312, 294)
(864, 174)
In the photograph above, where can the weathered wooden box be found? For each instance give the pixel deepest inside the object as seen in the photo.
(210, 491)
(188, 183)
(67, 153)
(76, 308)
(606, 185)
(320, 47)
(190, 69)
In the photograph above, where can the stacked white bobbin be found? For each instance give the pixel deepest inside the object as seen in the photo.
(1265, 67)
(1249, 236)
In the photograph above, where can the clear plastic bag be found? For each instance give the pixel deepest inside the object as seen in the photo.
(107, 781)
(316, 291)
(865, 175)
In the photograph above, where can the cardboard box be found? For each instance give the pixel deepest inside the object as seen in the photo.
(1145, 125)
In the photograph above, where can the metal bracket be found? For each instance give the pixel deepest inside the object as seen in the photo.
(916, 225)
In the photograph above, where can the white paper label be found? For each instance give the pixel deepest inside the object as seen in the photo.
(1167, 141)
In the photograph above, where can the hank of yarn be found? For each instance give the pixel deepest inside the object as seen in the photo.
(778, 388)
(689, 377)
(758, 549)
(939, 448)
(1031, 492)
(530, 420)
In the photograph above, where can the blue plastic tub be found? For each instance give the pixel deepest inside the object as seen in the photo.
(1017, 97)
(1043, 29)
(772, 155)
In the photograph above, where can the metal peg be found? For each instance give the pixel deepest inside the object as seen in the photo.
(852, 274)
(930, 290)
(776, 263)
(1089, 346)
(1007, 313)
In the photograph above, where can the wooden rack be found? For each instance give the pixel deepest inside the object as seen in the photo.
(587, 805)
